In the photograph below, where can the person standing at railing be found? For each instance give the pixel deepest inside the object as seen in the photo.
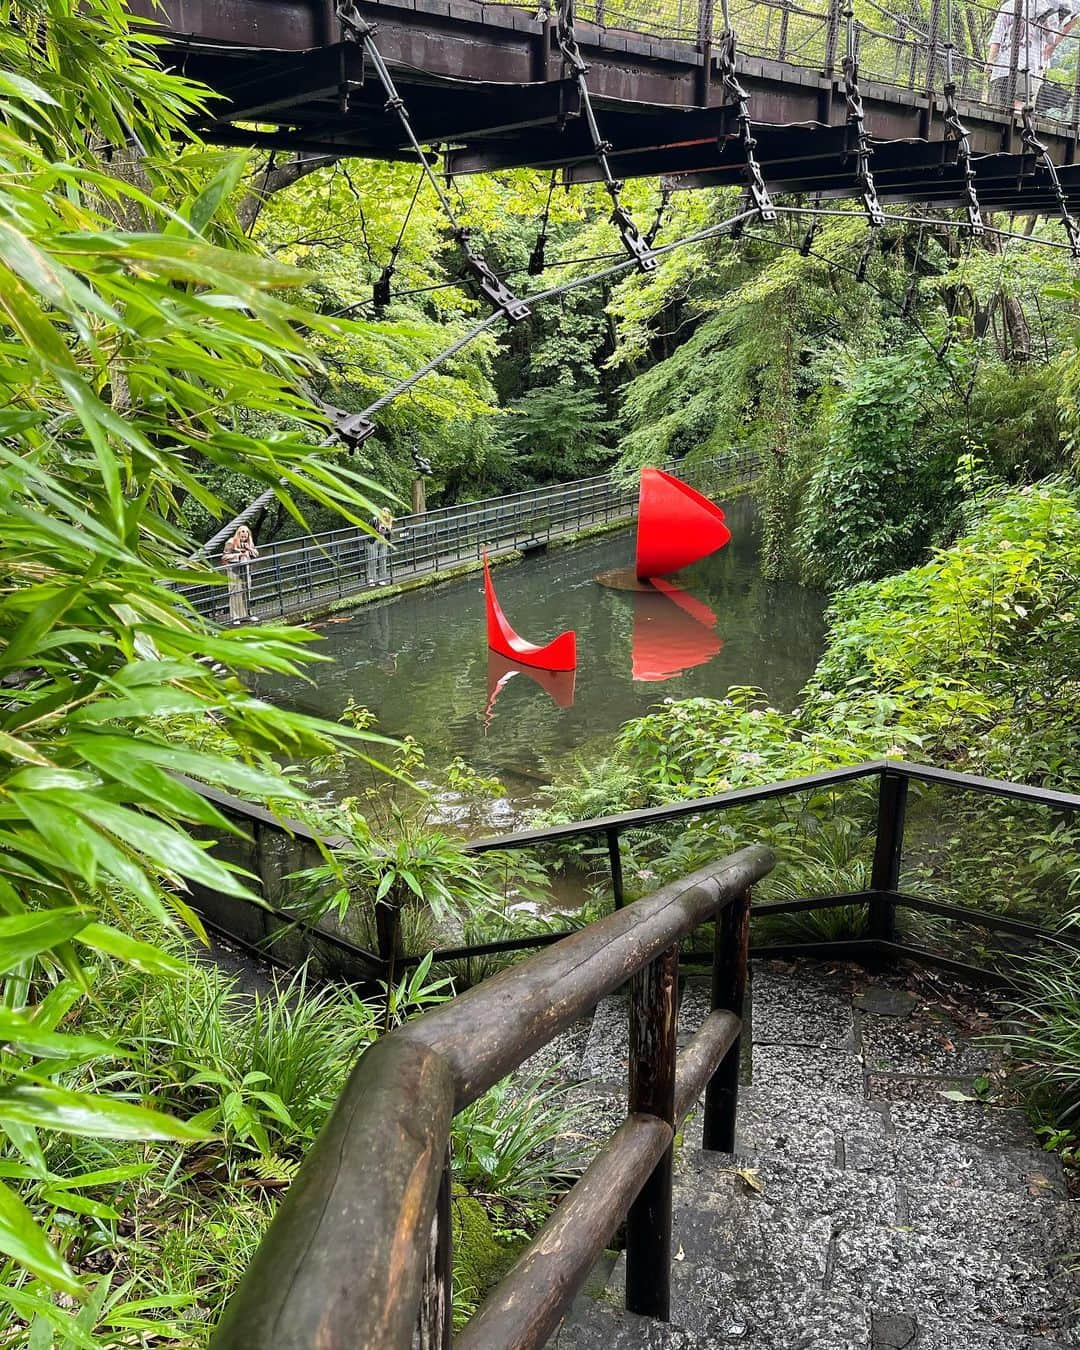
(238, 555)
(379, 548)
(1040, 32)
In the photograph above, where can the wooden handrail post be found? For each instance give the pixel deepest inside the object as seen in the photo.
(653, 1006)
(731, 949)
(885, 876)
(437, 1300)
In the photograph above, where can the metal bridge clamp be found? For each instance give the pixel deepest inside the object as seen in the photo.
(566, 38)
(352, 427)
(356, 28)
(490, 286)
(857, 124)
(757, 192)
(1042, 157)
(956, 131)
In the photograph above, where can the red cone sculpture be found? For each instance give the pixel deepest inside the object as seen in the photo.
(676, 525)
(559, 654)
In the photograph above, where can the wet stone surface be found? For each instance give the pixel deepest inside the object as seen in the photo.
(885, 1002)
(863, 1209)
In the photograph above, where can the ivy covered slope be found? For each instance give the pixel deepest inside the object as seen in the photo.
(137, 332)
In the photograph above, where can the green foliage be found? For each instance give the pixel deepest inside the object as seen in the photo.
(132, 323)
(1044, 1041)
(970, 660)
(504, 1143)
(876, 498)
(399, 865)
(976, 652)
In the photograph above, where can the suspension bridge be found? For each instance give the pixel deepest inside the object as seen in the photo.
(963, 105)
(816, 94)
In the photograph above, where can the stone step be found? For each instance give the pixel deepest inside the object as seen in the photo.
(923, 1274)
(902, 1331)
(866, 1236)
(603, 1326)
(592, 1325)
(760, 1303)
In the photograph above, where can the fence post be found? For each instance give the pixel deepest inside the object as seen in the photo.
(388, 941)
(653, 1000)
(615, 859)
(832, 36)
(437, 1298)
(931, 56)
(731, 951)
(705, 46)
(885, 876)
(1014, 56)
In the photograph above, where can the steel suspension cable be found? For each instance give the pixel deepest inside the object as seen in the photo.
(733, 223)
(381, 290)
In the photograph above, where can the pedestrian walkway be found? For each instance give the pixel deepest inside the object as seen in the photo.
(296, 576)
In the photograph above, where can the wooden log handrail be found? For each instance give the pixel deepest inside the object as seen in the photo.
(344, 1260)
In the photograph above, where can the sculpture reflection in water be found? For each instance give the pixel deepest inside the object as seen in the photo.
(557, 684)
(673, 632)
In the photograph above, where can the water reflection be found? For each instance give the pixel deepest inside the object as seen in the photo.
(421, 664)
(557, 684)
(673, 632)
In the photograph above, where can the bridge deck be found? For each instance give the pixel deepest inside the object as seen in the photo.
(486, 83)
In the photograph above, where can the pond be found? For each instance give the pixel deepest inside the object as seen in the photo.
(420, 662)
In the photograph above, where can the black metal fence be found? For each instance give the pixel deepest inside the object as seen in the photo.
(334, 956)
(917, 45)
(295, 575)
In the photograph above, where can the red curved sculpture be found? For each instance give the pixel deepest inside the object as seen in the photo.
(673, 632)
(676, 525)
(559, 654)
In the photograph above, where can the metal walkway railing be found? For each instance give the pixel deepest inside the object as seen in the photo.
(910, 44)
(295, 575)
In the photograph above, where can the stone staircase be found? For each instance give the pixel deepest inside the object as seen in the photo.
(863, 1209)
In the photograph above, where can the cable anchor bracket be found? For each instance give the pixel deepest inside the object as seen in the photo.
(356, 28)
(351, 427)
(956, 131)
(634, 242)
(481, 275)
(856, 120)
(757, 192)
(1042, 155)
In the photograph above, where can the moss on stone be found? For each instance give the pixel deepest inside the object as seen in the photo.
(480, 1259)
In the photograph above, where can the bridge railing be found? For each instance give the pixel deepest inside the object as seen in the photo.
(294, 575)
(904, 43)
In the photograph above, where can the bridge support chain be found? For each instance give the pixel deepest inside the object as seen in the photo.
(757, 192)
(856, 121)
(477, 271)
(1042, 157)
(634, 241)
(956, 131)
